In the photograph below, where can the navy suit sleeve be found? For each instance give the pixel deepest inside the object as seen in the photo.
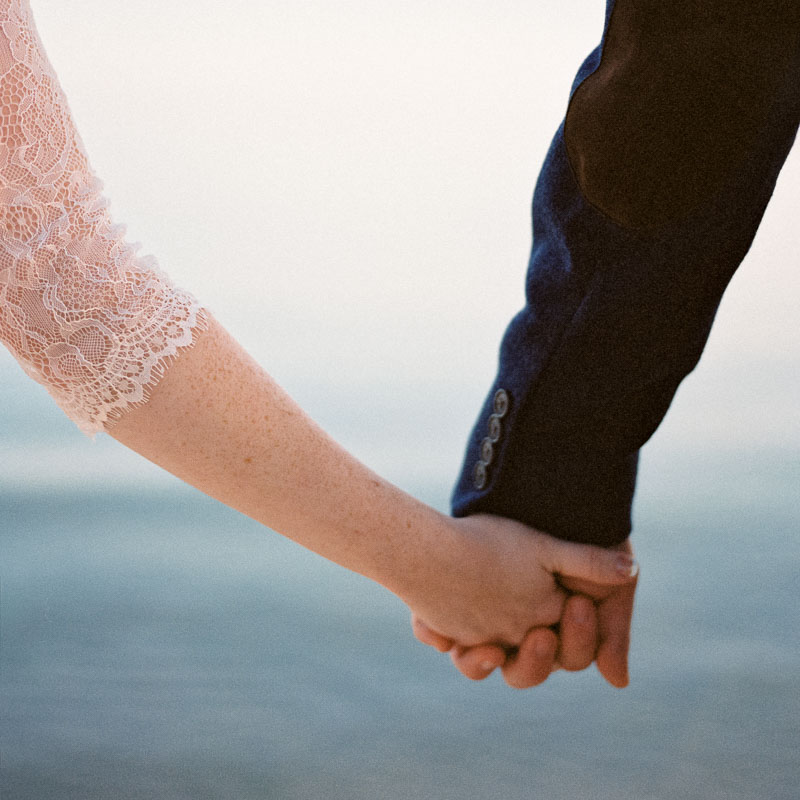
(624, 279)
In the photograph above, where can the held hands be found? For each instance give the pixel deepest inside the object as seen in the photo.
(503, 587)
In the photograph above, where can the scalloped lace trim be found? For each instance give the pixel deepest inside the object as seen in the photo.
(85, 316)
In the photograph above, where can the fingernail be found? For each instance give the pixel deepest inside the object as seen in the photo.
(488, 666)
(627, 565)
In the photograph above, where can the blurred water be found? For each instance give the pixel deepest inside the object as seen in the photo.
(347, 185)
(156, 644)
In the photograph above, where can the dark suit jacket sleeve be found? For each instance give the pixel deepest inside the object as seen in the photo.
(637, 230)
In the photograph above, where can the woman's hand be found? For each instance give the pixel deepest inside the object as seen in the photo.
(595, 625)
(492, 580)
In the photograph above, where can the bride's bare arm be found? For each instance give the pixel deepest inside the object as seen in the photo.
(218, 421)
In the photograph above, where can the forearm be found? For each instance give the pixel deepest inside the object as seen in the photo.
(219, 422)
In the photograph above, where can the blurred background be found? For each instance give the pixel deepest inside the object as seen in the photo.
(346, 184)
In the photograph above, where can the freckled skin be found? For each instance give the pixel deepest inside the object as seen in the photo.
(476, 579)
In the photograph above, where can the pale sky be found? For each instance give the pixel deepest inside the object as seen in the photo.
(347, 186)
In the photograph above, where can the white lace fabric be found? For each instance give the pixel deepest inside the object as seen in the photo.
(85, 316)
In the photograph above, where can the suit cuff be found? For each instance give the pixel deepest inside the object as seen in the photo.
(572, 487)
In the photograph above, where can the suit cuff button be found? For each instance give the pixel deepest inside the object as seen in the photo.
(500, 403)
(480, 475)
(487, 450)
(495, 428)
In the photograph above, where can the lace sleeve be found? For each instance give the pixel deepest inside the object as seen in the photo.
(85, 316)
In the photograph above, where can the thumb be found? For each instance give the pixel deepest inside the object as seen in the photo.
(592, 563)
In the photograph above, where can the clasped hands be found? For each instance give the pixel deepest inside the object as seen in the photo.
(502, 595)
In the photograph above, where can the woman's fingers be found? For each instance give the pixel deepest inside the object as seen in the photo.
(430, 637)
(478, 662)
(541, 652)
(578, 634)
(534, 661)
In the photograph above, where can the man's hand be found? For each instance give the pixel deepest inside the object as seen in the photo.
(614, 616)
(595, 625)
(503, 577)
